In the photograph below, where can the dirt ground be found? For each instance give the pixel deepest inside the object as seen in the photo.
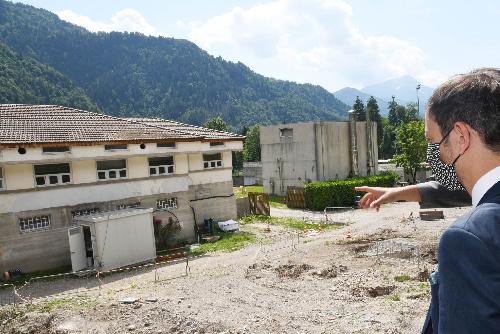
(367, 276)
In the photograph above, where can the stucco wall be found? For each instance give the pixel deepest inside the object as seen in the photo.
(18, 177)
(52, 247)
(287, 161)
(317, 151)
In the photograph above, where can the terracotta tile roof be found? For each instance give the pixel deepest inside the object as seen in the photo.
(207, 134)
(51, 124)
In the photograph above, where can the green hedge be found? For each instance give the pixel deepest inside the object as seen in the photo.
(341, 193)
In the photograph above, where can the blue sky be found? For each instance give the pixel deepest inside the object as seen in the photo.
(333, 43)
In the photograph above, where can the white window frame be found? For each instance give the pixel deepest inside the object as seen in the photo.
(2, 178)
(84, 212)
(166, 167)
(167, 203)
(107, 171)
(36, 223)
(212, 164)
(47, 177)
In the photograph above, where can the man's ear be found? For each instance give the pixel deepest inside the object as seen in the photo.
(465, 133)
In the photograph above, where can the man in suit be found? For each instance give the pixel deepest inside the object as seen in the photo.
(463, 120)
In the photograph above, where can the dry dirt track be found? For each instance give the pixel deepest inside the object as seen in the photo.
(332, 282)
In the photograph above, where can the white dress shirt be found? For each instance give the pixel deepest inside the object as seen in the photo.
(484, 184)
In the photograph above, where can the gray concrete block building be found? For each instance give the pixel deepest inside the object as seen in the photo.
(299, 153)
(58, 163)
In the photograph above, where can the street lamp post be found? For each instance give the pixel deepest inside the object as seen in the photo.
(418, 101)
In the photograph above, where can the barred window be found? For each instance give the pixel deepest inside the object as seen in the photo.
(52, 174)
(123, 206)
(212, 160)
(111, 169)
(167, 203)
(83, 212)
(161, 166)
(34, 223)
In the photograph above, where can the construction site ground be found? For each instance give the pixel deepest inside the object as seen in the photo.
(369, 275)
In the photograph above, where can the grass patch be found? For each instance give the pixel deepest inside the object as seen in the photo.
(288, 222)
(228, 242)
(394, 298)
(402, 278)
(274, 201)
(74, 303)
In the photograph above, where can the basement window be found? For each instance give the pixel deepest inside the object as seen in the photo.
(212, 160)
(52, 175)
(118, 147)
(167, 203)
(166, 145)
(286, 132)
(111, 169)
(161, 166)
(34, 223)
(123, 206)
(56, 149)
(2, 186)
(84, 212)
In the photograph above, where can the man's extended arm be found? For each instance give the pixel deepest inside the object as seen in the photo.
(434, 195)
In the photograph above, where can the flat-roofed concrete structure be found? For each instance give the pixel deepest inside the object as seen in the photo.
(299, 153)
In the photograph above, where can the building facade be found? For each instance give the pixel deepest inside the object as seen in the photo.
(299, 153)
(59, 163)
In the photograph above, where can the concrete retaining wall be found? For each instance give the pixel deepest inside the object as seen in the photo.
(46, 249)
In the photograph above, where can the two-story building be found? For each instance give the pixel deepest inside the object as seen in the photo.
(58, 163)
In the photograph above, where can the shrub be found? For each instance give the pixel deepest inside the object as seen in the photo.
(319, 195)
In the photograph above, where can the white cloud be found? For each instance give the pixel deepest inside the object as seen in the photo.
(125, 20)
(312, 41)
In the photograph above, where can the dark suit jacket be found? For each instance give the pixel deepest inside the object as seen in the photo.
(466, 289)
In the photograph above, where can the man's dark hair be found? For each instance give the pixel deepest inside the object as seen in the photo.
(472, 98)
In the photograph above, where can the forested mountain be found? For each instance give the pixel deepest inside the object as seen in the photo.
(23, 79)
(129, 74)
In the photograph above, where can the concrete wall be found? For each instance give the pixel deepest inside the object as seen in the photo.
(287, 161)
(45, 249)
(317, 151)
(252, 173)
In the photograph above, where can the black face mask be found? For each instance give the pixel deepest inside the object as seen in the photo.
(443, 173)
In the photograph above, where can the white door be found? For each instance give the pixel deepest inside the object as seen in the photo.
(77, 248)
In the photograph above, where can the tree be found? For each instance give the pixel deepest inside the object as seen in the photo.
(398, 115)
(216, 123)
(359, 109)
(411, 147)
(251, 149)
